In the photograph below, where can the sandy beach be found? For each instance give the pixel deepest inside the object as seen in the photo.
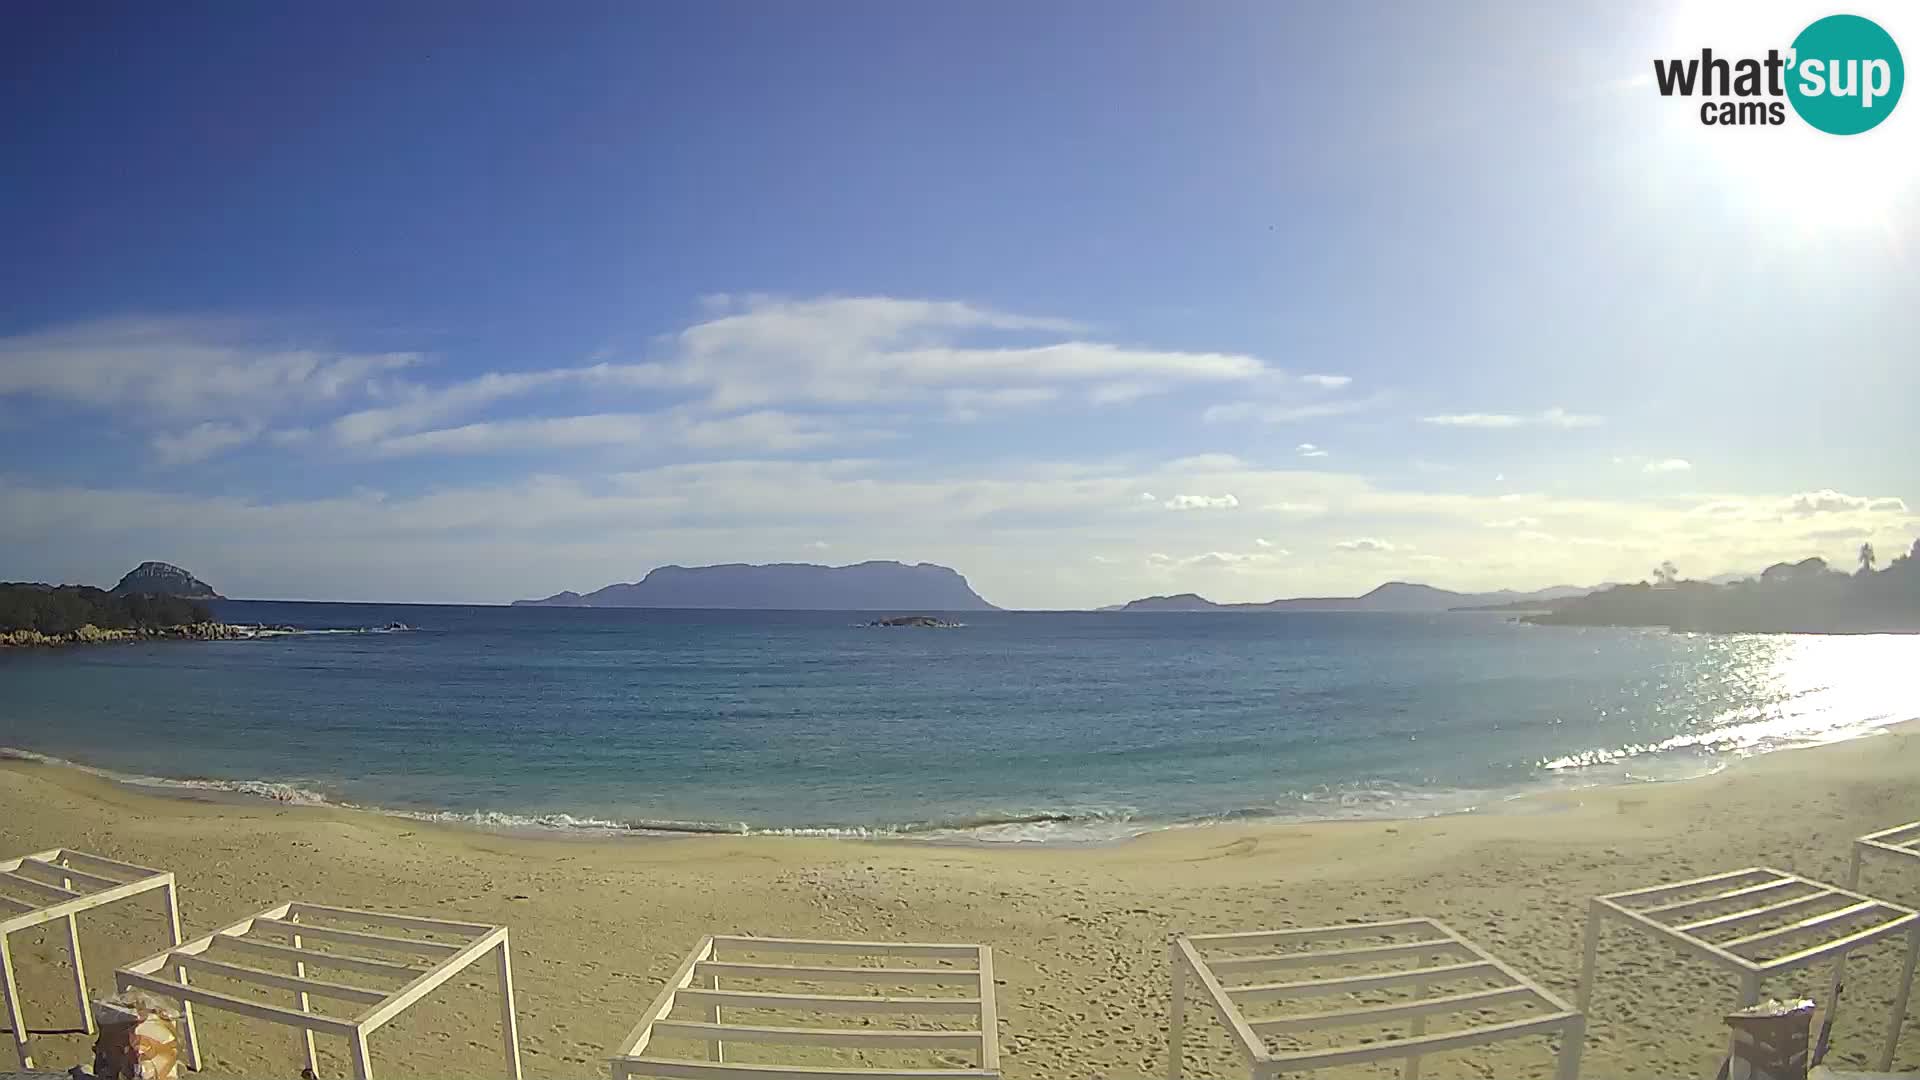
(1079, 934)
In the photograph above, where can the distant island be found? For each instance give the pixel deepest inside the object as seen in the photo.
(1804, 597)
(164, 579)
(1402, 596)
(867, 586)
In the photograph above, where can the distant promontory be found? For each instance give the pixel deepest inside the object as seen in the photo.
(164, 579)
(867, 586)
(155, 600)
(1399, 596)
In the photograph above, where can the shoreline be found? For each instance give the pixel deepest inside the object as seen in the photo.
(1545, 795)
(1079, 933)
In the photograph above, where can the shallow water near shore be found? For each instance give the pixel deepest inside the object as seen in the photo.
(1018, 727)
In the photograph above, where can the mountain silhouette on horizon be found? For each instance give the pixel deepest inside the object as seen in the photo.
(1391, 596)
(868, 586)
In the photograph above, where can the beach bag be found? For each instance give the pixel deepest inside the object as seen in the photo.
(139, 1039)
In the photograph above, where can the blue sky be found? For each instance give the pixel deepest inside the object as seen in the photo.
(469, 303)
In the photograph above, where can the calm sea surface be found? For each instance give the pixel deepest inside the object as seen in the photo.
(1019, 726)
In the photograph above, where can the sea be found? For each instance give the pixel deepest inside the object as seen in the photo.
(1015, 727)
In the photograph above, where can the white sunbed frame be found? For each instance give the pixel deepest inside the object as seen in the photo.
(1901, 841)
(302, 922)
(1765, 894)
(1463, 958)
(58, 885)
(705, 967)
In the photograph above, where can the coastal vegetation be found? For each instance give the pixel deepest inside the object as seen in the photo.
(37, 614)
(1807, 596)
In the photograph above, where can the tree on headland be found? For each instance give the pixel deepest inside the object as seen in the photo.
(64, 609)
(1799, 597)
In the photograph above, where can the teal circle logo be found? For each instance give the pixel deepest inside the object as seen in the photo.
(1847, 74)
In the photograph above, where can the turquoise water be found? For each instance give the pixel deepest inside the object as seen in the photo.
(1018, 726)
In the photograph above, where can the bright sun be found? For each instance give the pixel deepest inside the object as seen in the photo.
(1795, 175)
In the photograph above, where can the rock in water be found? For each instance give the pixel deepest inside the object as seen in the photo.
(164, 579)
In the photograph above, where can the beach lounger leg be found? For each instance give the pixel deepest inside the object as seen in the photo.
(1900, 1000)
(16, 1022)
(1573, 1040)
(1590, 955)
(1415, 1028)
(79, 969)
(509, 1026)
(1853, 869)
(306, 1005)
(716, 1050)
(1176, 1011)
(362, 1067)
(187, 1034)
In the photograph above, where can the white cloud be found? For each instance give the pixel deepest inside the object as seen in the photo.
(1513, 523)
(1020, 531)
(1828, 501)
(966, 403)
(1365, 543)
(1307, 449)
(1261, 541)
(1202, 502)
(1119, 393)
(865, 349)
(1206, 463)
(1669, 465)
(1555, 417)
(1327, 382)
(182, 369)
(420, 406)
(765, 431)
(1214, 560)
(1276, 413)
(202, 441)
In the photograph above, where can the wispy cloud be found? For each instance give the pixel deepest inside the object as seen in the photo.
(1268, 412)
(202, 441)
(761, 431)
(1366, 543)
(1555, 417)
(1202, 502)
(1828, 501)
(1668, 465)
(766, 351)
(183, 369)
(1307, 449)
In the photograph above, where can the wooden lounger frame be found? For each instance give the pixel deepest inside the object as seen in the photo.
(698, 982)
(1443, 953)
(1827, 922)
(58, 885)
(281, 935)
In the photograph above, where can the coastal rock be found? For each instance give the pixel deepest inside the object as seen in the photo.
(164, 579)
(917, 620)
(90, 634)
